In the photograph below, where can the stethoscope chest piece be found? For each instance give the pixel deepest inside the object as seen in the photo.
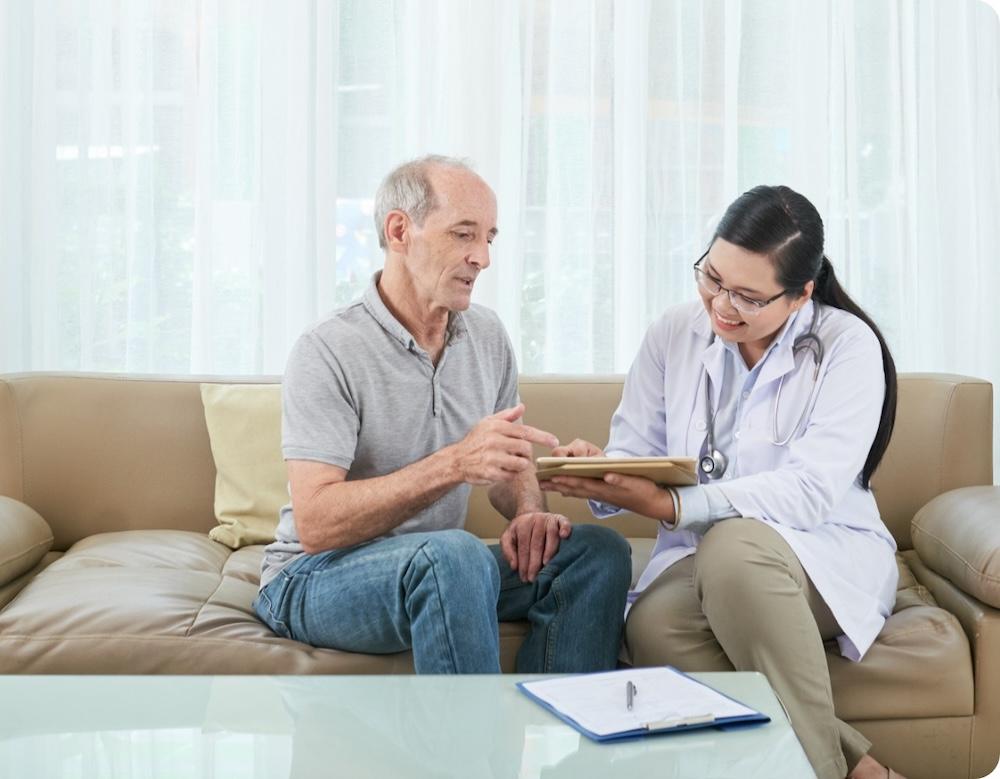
(713, 465)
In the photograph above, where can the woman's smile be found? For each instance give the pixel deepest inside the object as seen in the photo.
(726, 324)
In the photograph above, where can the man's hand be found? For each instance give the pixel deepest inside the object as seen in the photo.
(499, 448)
(578, 448)
(633, 493)
(531, 540)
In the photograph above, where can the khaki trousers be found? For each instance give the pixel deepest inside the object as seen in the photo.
(743, 602)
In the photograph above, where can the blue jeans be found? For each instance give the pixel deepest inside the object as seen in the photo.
(442, 594)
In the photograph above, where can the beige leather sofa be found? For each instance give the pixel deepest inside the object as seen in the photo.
(116, 473)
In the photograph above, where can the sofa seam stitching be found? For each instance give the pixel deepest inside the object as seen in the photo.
(187, 633)
(947, 421)
(887, 638)
(18, 437)
(25, 553)
(141, 637)
(957, 556)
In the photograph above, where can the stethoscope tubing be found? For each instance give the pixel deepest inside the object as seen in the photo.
(714, 463)
(812, 342)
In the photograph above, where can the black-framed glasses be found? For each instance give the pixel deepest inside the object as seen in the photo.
(740, 302)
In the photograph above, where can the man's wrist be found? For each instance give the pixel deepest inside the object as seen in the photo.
(530, 504)
(447, 466)
(528, 496)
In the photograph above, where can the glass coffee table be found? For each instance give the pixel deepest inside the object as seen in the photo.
(264, 727)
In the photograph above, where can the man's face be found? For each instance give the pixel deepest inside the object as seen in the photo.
(452, 247)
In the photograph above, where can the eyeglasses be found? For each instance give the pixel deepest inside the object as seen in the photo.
(743, 304)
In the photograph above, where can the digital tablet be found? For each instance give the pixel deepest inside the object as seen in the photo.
(678, 471)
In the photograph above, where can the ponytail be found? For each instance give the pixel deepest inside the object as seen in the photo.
(829, 292)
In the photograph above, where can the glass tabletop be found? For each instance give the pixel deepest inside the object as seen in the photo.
(266, 727)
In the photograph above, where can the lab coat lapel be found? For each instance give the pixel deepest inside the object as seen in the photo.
(714, 361)
(782, 359)
(778, 364)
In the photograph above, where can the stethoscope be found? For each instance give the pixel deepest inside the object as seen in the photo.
(714, 463)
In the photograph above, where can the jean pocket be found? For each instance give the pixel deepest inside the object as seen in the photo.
(269, 605)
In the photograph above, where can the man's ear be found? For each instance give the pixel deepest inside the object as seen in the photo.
(397, 231)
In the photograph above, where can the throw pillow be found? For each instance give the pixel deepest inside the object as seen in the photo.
(24, 539)
(251, 485)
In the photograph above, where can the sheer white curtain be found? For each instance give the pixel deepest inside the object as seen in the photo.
(186, 184)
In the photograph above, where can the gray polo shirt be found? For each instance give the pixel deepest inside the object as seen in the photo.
(359, 393)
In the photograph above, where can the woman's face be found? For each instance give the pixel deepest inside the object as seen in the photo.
(752, 276)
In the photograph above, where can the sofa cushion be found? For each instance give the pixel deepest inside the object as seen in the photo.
(10, 590)
(244, 428)
(157, 602)
(166, 602)
(24, 539)
(919, 666)
(175, 602)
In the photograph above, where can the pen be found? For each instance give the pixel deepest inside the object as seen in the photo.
(630, 692)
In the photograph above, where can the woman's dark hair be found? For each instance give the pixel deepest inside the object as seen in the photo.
(785, 226)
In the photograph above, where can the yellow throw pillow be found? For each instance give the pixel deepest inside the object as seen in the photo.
(251, 484)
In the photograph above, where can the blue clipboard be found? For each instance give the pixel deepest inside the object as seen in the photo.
(676, 725)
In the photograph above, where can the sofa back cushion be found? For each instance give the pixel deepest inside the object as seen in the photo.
(98, 453)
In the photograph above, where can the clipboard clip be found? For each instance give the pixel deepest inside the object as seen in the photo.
(679, 722)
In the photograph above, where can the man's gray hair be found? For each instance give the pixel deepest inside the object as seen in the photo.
(408, 189)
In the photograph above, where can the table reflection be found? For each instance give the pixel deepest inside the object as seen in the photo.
(279, 727)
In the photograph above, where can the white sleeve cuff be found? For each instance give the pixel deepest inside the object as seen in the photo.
(702, 505)
(603, 510)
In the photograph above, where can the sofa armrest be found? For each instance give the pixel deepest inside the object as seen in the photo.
(24, 539)
(981, 624)
(957, 535)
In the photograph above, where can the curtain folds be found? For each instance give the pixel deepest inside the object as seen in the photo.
(186, 184)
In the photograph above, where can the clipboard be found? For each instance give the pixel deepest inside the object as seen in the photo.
(675, 471)
(694, 705)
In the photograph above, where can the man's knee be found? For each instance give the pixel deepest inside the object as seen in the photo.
(601, 542)
(459, 559)
(606, 551)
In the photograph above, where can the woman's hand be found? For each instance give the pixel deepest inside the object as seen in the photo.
(633, 493)
(578, 448)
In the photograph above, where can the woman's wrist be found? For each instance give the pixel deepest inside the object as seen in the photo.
(670, 501)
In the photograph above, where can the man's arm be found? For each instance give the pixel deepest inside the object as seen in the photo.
(520, 495)
(331, 513)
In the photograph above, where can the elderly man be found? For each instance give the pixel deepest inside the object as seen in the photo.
(393, 407)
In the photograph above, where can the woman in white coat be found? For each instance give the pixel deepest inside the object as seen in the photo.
(785, 391)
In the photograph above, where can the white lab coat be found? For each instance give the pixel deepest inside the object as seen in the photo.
(809, 490)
